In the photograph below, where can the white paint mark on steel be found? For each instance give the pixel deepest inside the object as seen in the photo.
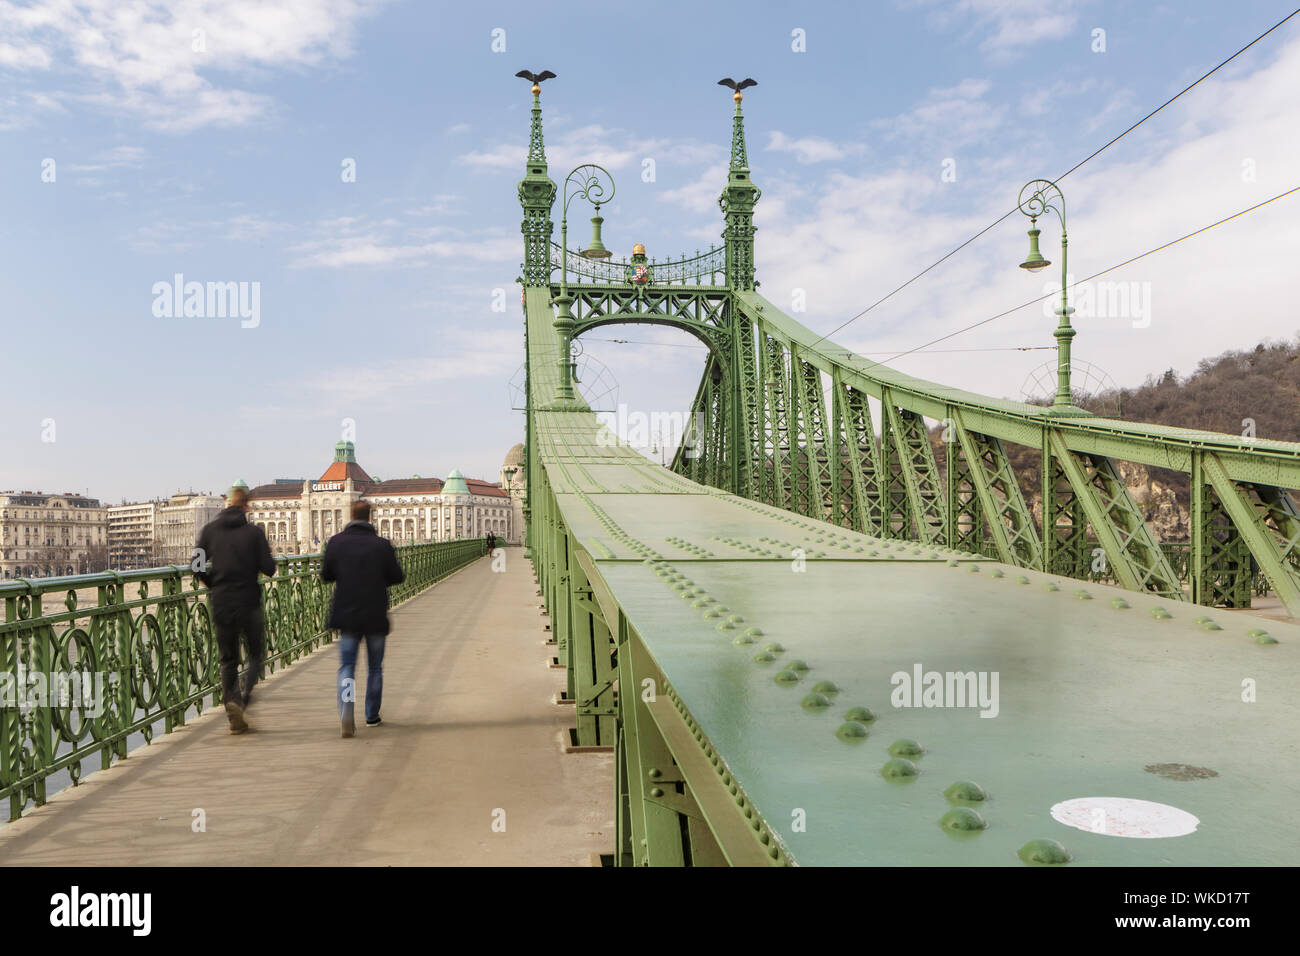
(1124, 817)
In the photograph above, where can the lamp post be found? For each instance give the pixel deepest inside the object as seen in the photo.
(588, 181)
(1036, 198)
(510, 503)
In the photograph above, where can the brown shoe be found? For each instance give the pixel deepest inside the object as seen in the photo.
(235, 714)
(349, 724)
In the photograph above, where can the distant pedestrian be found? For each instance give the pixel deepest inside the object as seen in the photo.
(491, 542)
(233, 552)
(362, 566)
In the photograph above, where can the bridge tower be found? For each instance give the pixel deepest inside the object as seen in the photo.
(537, 197)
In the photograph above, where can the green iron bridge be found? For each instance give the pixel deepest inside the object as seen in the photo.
(807, 642)
(736, 626)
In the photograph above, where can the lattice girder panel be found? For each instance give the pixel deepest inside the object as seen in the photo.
(910, 450)
(1134, 554)
(1001, 501)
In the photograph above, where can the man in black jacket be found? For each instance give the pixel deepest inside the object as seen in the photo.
(232, 552)
(362, 566)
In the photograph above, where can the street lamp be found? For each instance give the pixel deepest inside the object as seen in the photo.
(1036, 198)
(510, 504)
(588, 181)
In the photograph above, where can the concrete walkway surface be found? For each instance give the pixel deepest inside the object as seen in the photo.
(466, 770)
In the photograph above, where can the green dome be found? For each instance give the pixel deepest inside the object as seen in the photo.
(239, 484)
(455, 484)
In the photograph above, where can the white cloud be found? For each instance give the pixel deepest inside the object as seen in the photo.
(24, 57)
(167, 61)
(1010, 26)
(358, 241)
(859, 236)
(953, 116)
(807, 149)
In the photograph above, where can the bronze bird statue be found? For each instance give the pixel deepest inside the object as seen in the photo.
(737, 96)
(536, 78)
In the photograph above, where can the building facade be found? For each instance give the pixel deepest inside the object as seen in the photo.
(180, 519)
(44, 535)
(299, 519)
(133, 536)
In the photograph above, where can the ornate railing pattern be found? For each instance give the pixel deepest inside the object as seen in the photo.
(703, 268)
(90, 660)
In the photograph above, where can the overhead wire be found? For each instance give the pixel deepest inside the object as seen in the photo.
(1072, 169)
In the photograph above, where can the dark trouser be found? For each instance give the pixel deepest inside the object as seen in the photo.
(230, 623)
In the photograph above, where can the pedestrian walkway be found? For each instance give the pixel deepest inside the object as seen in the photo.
(466, 770)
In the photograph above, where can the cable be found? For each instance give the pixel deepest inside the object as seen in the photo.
(1095, 275)
(1091, 155)
(850, 354)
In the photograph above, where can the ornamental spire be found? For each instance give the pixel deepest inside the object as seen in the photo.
(536, 193)
(738, 199)
(739, 158)
(536, 148)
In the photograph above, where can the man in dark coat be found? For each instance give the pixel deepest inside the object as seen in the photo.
(362, 566)
(232, 552)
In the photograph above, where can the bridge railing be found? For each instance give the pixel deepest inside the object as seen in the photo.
(88, 661)
(703, 268)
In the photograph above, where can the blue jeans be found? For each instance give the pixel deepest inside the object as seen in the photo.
(348, 646)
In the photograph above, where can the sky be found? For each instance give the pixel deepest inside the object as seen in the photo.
(351, 166)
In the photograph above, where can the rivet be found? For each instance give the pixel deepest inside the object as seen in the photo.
(1261, 636)
(1082, 595)
(996, 573)
(742, 639)
(796, 665)
(1119, 603)
(825, 687)
(656, 792)
(903, 747)
(1021, 579)
(1160, 614)
(965, 791)
(899, 769)
(851, 731)
(786, 677)
(774, 647)
(763, 657)
(962, 818)
(861, 714)
(1049, 586)
(815, 702)
(1044, 853)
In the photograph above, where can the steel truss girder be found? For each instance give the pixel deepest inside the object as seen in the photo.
(857, 460)
(965, 528)
(1138, 562)
(748, 430)
(1000, 498)
(703, 312)
(778, 404)
(908, 443)
(1269, 525)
